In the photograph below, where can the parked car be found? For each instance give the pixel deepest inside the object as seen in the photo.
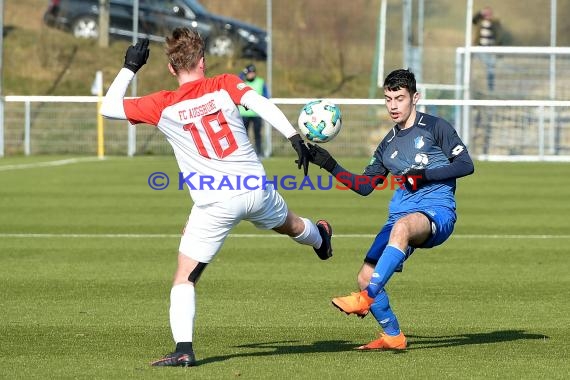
(224, 36)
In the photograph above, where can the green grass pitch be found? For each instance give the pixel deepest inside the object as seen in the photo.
(88, 250)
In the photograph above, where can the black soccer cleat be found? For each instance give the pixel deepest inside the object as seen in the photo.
(325, 250)
(176, 359)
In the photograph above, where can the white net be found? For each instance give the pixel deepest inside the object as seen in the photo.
(536, 73)
(522, 73)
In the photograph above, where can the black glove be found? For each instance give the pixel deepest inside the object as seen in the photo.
(320, 156)
(302, 152)
(414, 179)
(136, 56)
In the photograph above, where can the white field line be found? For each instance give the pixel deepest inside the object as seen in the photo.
(255, 236)
(42, 164)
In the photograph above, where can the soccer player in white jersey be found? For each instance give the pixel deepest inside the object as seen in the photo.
(202, 122)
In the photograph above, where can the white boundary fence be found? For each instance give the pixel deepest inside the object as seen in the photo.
(518, 130)
(521, 72)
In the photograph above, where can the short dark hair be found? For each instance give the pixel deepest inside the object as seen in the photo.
(401, 78)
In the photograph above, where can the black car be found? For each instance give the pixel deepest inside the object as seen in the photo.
(224, 36)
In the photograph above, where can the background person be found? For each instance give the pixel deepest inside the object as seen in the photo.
(487, 32)
(250, 117)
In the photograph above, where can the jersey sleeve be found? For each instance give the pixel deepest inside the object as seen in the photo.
(447, 139)
(363, 184)
(146, 109)
(235, 87)
(112, 104)
(451, 145)
(375, 167)
(268, 112)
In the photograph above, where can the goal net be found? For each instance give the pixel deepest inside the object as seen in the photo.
(503, 125)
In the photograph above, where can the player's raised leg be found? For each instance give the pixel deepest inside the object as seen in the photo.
(411, 229)
(269, 210)
(364, 301)
(303, 231)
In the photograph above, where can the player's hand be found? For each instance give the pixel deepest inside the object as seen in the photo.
(136, 56)
(302, 152)
(414, 179)
(320, 156)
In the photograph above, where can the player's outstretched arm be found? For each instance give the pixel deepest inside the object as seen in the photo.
(362, 184)
(274, 116)
(135, 57)
(321, 157)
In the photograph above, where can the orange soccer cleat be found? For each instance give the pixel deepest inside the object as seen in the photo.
(355, 303)
(386, 342)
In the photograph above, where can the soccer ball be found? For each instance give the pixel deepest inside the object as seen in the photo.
(320, 121)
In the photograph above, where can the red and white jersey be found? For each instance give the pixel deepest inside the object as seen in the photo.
(202, 123)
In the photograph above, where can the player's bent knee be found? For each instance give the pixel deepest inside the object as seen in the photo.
(400, 230)
(411, 225)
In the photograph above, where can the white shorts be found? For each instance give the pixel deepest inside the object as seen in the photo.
(209, 225)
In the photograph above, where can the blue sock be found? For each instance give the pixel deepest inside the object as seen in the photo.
(383, 313)
(391, 259)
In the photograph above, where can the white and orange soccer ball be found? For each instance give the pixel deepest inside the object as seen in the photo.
(320, 121)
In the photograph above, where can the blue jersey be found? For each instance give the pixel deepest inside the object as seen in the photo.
(431, 144)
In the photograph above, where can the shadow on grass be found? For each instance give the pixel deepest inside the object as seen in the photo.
(416, 342)
(284, 348)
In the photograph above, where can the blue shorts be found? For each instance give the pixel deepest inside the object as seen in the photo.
(442, 221)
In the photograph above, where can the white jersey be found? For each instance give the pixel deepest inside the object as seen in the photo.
(202, 123)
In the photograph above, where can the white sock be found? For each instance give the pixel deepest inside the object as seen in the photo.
(310, 235)
(182, 312)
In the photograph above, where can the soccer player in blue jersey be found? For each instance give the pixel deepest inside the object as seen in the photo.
(427, 156)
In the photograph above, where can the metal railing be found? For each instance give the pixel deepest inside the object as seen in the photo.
(494, 129)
